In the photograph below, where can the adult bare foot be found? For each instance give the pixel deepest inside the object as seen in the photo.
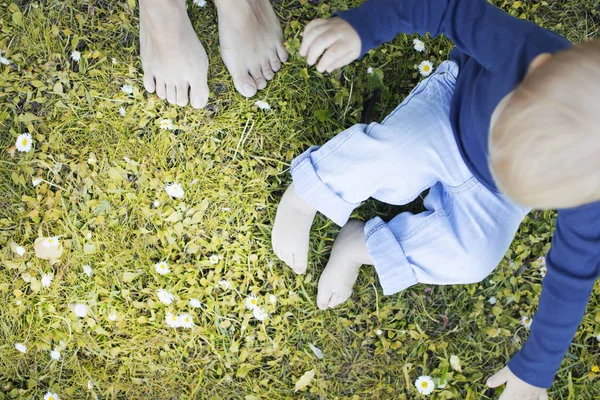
(251, 42)
(291, 230)
(174, 61)
(348, 254)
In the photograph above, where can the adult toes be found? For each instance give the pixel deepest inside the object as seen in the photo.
(149, 83)
(199, 93)
(259, 80)
(161, 90)
(171, 93)
(182, 93)
(282, 52)
(275, 62)
(267, 72)
(244, 84)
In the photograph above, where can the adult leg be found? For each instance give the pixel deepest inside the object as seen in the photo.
(174, 61)
(251, 43)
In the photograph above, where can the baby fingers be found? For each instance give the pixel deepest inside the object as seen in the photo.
(311, 32)
(335, 57)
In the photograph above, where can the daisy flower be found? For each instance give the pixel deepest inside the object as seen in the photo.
(272, 299)
(21, 347)
(260, 314)
(51, 242)
(80, 310)
(55, 355)
(426, 68)
(251, 302)
(92, 159)
(214, 259)
(419, 45)
(526, 321)
(24, 142)
(492, 300)
(425, 385)
(162, 268)
(263, 105)
(200, 3)
(122, 111)
(175, 190)
(541, 261)
(225, 284)
(47, 279)
(186, 321)
(166, 124)
(543, 271)
(36, 181)
(51, 396)
(20, 250)
(370, 70)
(195, 303)
(75, 56)
(171, 320)
(165, 296)
(87, 270)
(127, 89)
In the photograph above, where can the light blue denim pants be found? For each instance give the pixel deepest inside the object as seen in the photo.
(466, 228)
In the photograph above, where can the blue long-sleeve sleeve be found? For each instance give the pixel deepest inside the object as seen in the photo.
(494, 51)
(573, 267)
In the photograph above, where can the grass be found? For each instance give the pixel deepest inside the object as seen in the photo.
(232, 159)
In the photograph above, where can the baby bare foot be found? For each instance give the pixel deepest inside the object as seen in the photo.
(251, 43)
(291, 230)
(174, 61)
(348, 254)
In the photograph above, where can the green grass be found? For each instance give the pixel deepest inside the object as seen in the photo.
(232, 161)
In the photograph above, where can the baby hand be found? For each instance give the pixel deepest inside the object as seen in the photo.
(516, 389)
(334, 39)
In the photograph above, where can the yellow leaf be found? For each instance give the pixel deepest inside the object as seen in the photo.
(244, 369)
(455, 363)
(304, 381)
(129, 276)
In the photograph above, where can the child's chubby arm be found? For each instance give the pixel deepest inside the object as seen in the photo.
(516, 389)
(333, 40)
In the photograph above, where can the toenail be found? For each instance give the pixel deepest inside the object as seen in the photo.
(249, 88)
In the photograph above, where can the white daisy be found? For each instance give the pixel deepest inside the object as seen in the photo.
(55, 354)
(419, 45)
(128, 89)
(113, 316)
(80, 310)
(370, 70)
(92, 159)
(165, 296)
(260, 314)
(492, 300)
(200, 3)
(122, 111)
(75, 56)
(225, 284)
(263, 105)
(426, 68)
(21, 347)
(379, 332)
(251, 302)
(172, 320)
(195, 303)
(51, 396)
(526, 321)
(24, 142)
(47, 279)
(162, 268)
(51, 242)
(541, 261)
(36, 181)
(87, 269)
(175, 190)
(543, 271)
(272, 299)
(20, 250)
(214, 259)
(186, 321)
(425, 385)
(166, 124)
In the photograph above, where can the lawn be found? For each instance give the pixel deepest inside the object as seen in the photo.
(103, 154)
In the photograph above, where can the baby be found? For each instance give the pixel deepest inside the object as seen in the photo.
(508, 124)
